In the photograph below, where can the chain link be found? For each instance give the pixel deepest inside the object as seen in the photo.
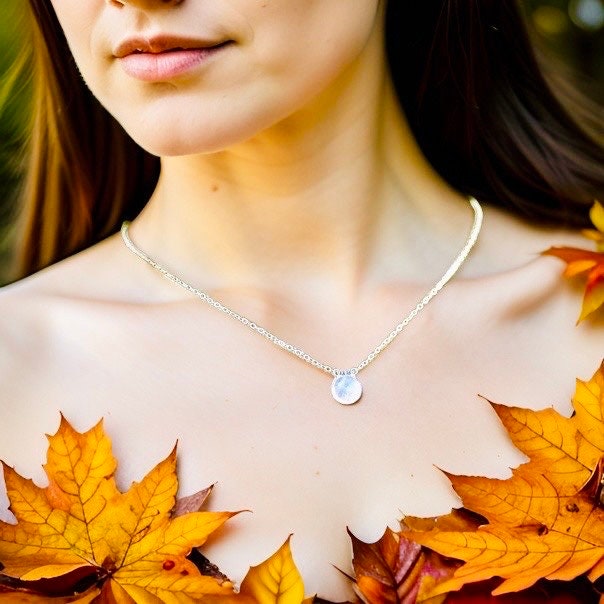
(450, 272)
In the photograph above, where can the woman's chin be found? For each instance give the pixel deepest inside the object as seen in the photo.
(176, 147)
(194, 139)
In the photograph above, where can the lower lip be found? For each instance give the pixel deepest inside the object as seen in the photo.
(158, 67)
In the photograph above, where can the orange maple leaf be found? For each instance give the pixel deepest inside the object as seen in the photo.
(547, 520)
(581, 261)
(81, 535)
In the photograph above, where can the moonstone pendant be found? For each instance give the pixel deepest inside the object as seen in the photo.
(346, 389)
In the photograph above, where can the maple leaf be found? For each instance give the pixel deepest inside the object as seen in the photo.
(394, 570)
(581, 261)
(276, 580)
(547, 520)
(80, 530)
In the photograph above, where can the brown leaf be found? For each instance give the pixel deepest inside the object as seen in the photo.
(192, 503)
(395, 570)
(594, 487)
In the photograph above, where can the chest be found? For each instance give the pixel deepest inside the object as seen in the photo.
(262, 424)
(243, 405)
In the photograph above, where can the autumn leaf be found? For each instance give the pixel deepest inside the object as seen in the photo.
(394, 570)
(275, 581)
(26, 597)
(581, 262)
(596, 215)
(80, 530)
(547, 520)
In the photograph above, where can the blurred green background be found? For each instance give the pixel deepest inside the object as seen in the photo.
(13, 115)
(569, 32)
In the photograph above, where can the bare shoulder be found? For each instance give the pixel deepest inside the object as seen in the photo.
(578, 345)
(105, 273)
(34, 310)
(522, 313)
(508, 241)
(98, 272)
(60, 331)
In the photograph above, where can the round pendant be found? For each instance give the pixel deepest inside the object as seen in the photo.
(346, 389)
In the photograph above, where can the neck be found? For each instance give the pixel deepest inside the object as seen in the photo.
(325, 197)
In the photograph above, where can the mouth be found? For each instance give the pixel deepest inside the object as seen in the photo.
(163, 44)
(164, 58)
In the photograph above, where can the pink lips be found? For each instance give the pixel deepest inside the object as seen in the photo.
(162, 59)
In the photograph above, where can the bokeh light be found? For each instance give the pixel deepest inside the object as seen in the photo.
(587, 14)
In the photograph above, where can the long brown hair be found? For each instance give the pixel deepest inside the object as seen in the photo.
(467, 78)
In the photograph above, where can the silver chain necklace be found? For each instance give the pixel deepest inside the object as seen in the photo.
(345, 388)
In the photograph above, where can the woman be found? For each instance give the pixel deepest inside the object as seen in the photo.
(293, 190)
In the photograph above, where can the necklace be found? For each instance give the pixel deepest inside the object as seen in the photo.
(345, 388)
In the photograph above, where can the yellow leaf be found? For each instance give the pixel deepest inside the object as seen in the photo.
(540, 523)
(78, 465)
(275, 581)
(80, 524)
(594, 292)
(43, 536)
(49, 571)
(25, 597)
(596, 214)
(113, 593)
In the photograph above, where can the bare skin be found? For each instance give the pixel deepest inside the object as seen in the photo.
(325, 228)
(158, 366)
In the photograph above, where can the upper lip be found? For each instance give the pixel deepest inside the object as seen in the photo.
(163, 43)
